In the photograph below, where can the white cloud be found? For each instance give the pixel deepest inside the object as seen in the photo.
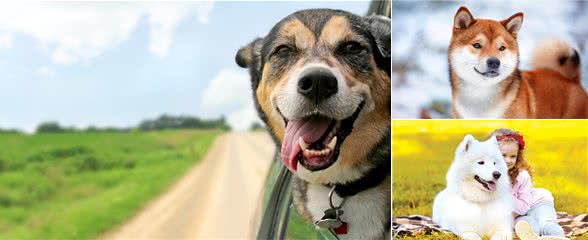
(230, 92)
(46, 71)
(228, 88)
(5, 40)
(164, 18)
(243, 118)
(75, 32)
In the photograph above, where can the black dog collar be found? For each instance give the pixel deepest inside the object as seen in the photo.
(375, 176)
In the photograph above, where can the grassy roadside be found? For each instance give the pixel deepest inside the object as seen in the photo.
(78, 185)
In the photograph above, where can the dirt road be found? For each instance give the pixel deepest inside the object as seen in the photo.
(217, 199)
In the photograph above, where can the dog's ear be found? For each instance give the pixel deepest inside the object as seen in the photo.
(380, 29)
(494, 140)
(465, 144)
(249, 55)
(513, 23)
(463, 18)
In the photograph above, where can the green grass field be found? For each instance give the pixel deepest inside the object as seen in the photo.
(423, 151)
(78, 185)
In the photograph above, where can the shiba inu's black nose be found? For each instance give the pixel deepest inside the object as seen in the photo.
(496, 175)
(493, 63)
(318, 85)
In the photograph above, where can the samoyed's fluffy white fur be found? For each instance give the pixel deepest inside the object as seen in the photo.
(477, 201)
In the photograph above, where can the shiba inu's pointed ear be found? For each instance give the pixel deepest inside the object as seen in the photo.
(463, 18)
(250, 54)
(513, 23)
(380, 29)
(465, 144)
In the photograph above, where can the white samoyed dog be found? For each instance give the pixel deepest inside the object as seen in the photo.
(477, 201)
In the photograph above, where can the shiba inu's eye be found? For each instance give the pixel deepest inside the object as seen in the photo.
(477, 45)
(494, 163)
(351, 48)
(501, 48)
(481, 162)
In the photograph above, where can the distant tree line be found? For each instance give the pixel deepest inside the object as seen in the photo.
(182, 122)
(160, 123)
(256, 126)
(2, 130)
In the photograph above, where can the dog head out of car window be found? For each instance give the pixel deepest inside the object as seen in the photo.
(319, 68)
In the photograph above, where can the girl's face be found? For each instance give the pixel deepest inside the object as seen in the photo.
(510, 152)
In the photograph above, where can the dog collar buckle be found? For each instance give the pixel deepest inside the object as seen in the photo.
(332, 217)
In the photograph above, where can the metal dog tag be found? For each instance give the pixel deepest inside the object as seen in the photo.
(330, 219)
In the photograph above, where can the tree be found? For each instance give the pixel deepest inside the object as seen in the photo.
(256, 126)
(182, 122)
(50, 127)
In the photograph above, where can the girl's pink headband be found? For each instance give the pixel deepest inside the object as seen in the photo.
(517, 138)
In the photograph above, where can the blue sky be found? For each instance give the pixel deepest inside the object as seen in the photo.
(115, 64)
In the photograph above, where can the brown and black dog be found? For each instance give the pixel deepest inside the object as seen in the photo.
(487, 83)
(321, 83)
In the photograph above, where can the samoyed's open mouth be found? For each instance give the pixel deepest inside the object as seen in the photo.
(488, 185)
(315, 141)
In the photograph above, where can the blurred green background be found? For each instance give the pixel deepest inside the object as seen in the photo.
(75, 185)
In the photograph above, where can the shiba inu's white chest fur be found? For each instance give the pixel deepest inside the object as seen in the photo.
(363, 212)
(477, 102)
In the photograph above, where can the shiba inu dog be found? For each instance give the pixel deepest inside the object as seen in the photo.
(476, 201)
(487, 83)
(321, 83)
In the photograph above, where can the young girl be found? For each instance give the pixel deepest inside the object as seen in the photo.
(534, 210)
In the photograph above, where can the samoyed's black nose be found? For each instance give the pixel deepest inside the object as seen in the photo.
(496, 175)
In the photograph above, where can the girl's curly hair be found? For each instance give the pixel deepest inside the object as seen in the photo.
(521, 163)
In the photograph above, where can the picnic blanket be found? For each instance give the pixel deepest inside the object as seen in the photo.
(573, 225)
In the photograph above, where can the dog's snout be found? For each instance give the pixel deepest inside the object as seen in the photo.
(496, 175)
(493, 63)
(318, 85)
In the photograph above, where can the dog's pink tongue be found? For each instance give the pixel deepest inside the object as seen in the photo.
(492, 186)
(309, 129)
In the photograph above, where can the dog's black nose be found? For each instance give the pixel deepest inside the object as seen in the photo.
(493, 63)
(318, 85)
(496, 175)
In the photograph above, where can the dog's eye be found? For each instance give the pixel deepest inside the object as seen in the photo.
(501, 48)
(481, 162)
(494, 163)
(477, 45)
(283, 49)
(351, 48)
